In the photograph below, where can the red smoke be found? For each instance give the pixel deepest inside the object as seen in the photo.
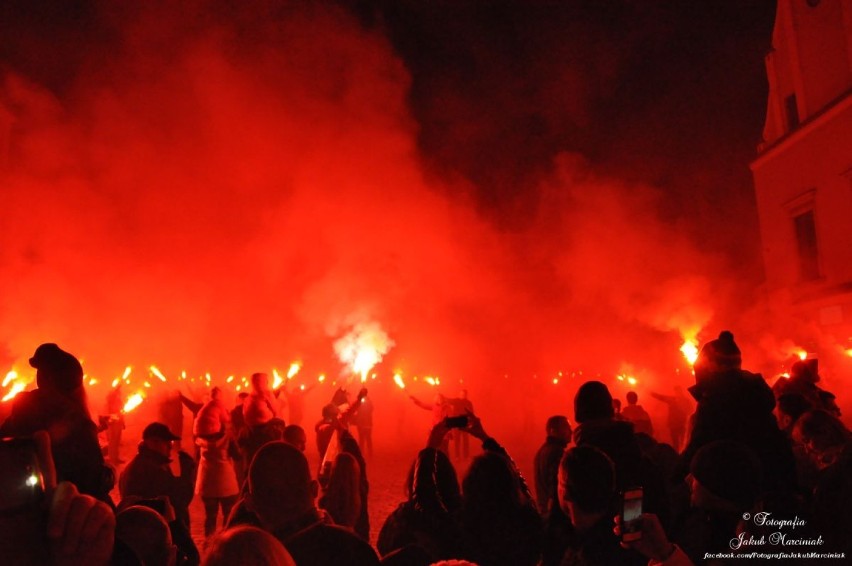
(230, 192)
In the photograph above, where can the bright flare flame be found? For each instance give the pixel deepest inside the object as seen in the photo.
(115, 382)
(430, 380)
(134, 401)
(294, 369)
(11, 376)
(321, 378)
(127, 371)
(803, 355)
(157, 372)
(17, 387)
(690, 350)
(631, 380)
(93, 381)
(397, 378)
(277, 380)
(363, 347)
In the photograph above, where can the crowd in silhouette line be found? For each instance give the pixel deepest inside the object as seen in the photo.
(759, 470)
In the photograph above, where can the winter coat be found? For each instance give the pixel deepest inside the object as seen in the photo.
(216, 475)
(211, 419)
(545, 472)
(258, 409)
(148, 475)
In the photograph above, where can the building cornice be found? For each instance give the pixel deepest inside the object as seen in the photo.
(838, 105)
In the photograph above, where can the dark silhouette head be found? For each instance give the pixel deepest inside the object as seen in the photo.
(491, 485)
(717, 356)
(295, 435)
(146, 532)
(57, 369)
(632, 398)
(586, 487)
(445, 479)
(592, 401)
(727, 473)
(281, 490)
(559, 427)
(246, 545)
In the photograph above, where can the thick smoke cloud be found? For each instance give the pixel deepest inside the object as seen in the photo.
(228, 190)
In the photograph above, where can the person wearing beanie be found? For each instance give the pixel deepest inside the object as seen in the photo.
(596, 427)
(58, 406)
(734, 404)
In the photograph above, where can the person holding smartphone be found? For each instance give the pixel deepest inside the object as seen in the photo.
(45, 522)
(589, 497)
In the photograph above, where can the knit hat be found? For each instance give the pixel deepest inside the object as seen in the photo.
(56, 368)
(592, 401)
(720, 354)
(729, 470)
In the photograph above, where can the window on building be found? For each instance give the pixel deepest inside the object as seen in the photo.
(806, 242)
(792, 112)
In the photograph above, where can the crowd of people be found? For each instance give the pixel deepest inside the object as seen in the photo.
(754, 469)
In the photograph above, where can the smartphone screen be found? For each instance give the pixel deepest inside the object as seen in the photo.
(631, 511)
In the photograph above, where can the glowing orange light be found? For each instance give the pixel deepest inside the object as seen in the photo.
(93, 381)
(115, 382)
(126, 374)
(555, 381)
(321, 378)
(430, 380)
(397, 378)
(134, 401)
(17, 387)
(146, 384)
(302, 387)
(363, 347)
(689, 349)
(277, 380)
(230, 379)
(183, 374)
(157, 372)
(631, 380)
(18, 383)
(11, 376)
(294, 369)
(803, 355)
(849, 352)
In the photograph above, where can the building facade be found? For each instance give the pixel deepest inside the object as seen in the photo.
(803, 170)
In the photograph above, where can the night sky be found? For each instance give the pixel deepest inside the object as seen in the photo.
(501, 186)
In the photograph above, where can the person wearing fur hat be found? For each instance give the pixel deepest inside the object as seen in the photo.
(58, 406)
(735, 404)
